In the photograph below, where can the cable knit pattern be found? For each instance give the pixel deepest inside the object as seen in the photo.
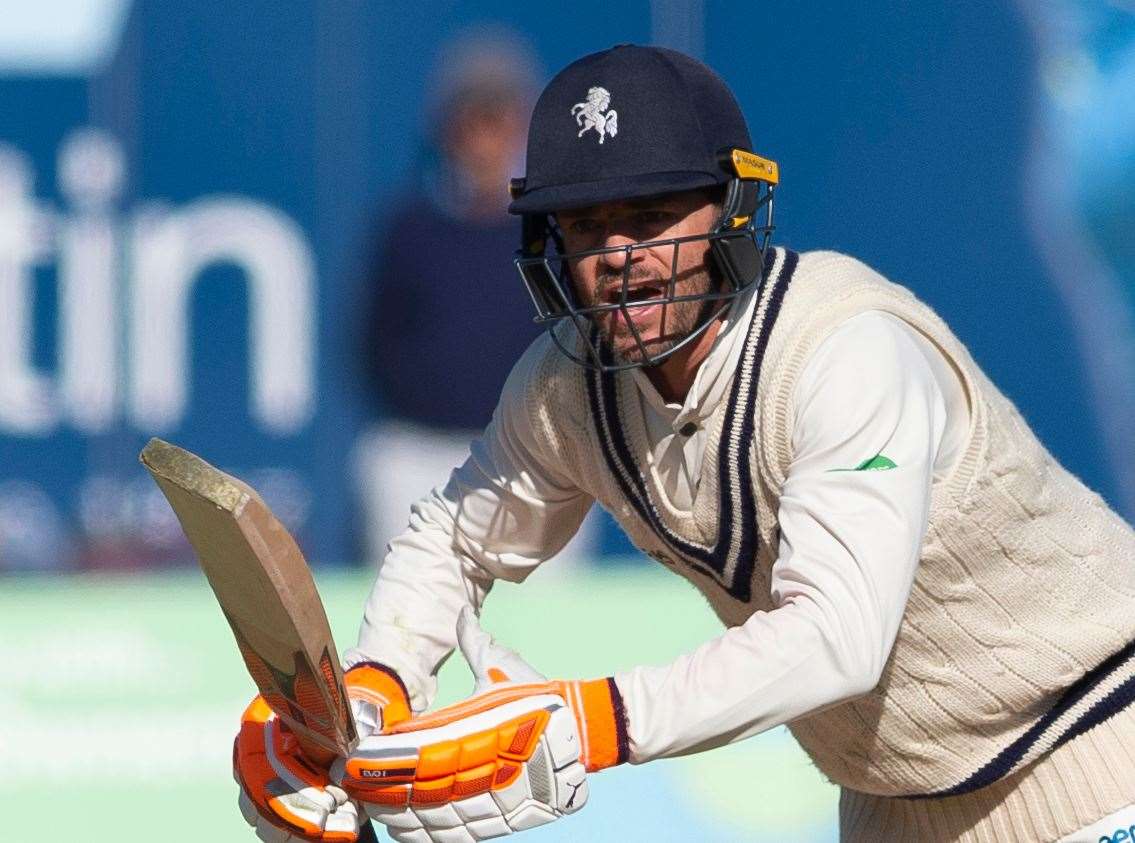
(1026, 585)
(1065, 791)
(1026, 582)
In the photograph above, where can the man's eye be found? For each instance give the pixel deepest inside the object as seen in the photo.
(584, 226)
(653, 217)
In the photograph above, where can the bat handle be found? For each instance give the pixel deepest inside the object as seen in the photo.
(316, 753)
(366, 832)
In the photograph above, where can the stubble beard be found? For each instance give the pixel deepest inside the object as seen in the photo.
(674, 324)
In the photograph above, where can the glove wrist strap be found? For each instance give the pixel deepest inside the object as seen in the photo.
(602, 722)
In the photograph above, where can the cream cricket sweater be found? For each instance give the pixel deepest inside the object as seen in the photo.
(961, 666)
(1018, 633)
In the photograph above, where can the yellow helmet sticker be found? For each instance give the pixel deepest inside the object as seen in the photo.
(749, 166)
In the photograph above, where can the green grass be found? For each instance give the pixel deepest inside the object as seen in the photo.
(126, 691)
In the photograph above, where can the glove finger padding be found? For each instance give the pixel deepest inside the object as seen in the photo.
(513, 756)
(341, 825)
(282, 794)
(597, 704)
(510, 767)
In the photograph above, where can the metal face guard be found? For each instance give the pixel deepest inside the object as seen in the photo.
(736, 244)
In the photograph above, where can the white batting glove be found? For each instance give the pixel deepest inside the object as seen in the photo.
(511, 757)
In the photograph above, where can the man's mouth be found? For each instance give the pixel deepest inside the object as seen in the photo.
(637, 293)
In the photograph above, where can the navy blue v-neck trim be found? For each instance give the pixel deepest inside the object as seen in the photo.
(730, 559)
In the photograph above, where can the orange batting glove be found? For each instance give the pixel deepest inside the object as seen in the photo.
(513, 756)
(286, 796)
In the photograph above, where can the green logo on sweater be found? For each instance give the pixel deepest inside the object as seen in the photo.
(876, 463)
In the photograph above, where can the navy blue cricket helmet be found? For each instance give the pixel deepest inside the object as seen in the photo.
(635, 122)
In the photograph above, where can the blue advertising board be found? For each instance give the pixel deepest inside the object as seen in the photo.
(186, 191)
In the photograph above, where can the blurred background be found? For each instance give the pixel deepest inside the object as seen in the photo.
(275, 234)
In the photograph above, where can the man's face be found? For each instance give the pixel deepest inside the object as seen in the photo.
(598, 279)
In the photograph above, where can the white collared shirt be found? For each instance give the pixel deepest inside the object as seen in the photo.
(678, 431)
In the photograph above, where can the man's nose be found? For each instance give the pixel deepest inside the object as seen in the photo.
(621, 252)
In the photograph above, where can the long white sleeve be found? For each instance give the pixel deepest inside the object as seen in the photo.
(848, 552)
(502, 513)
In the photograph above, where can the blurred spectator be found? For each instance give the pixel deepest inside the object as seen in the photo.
(446, 322)
(441, 337)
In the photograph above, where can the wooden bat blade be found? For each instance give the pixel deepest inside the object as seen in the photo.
(267, 594)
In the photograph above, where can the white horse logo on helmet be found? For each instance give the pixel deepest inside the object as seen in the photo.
(590, 114)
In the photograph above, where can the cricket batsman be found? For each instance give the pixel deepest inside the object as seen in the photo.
(942, 615)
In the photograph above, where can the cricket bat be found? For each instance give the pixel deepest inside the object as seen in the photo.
(267, 595)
